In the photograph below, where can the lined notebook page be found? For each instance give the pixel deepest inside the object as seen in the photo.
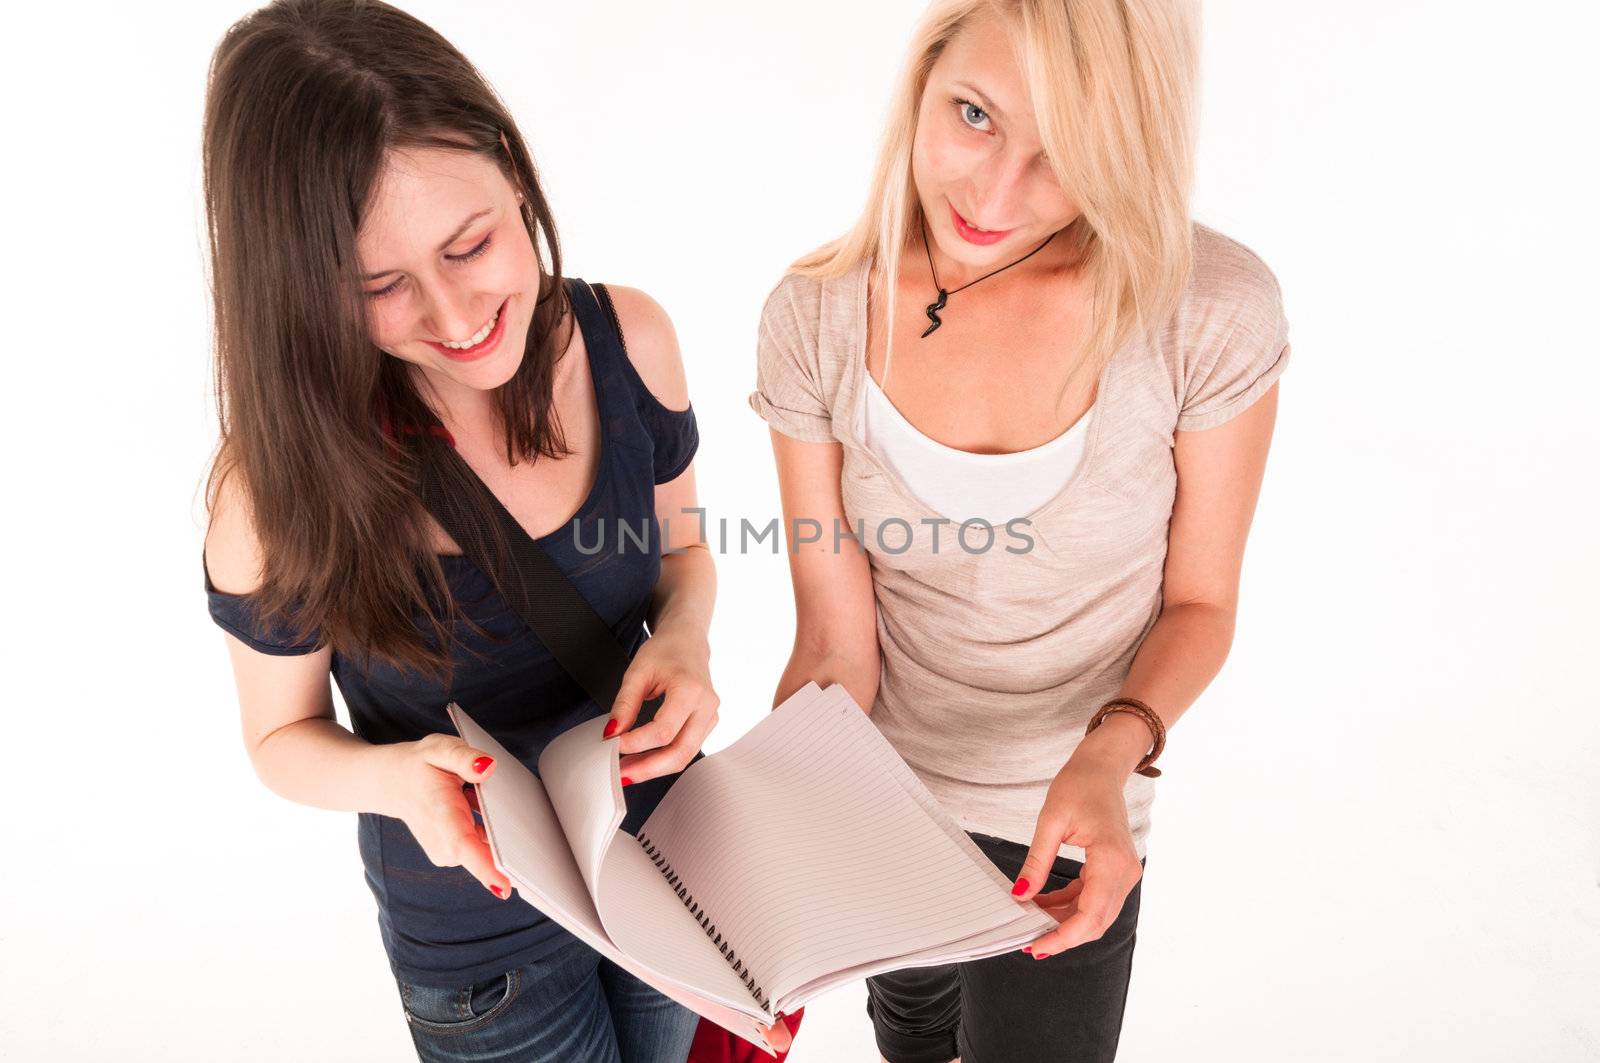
(1029, 924)
(530, 847)
(646, 919)
(804, 842)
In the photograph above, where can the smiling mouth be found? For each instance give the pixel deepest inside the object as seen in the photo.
(477, 337)
(483, 342)
(977, 230)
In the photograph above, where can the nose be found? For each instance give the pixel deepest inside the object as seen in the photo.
(997, 189)
(450, 312)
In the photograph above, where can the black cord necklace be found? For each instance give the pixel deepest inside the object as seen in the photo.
(933, 308)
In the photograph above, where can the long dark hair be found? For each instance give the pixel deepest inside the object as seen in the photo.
(304, 100)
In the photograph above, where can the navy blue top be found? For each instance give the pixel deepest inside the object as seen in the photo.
(440, 926)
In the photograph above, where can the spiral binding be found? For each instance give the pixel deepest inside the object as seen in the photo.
(724, 947)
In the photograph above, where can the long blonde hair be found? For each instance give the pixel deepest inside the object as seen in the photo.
(1113, 85)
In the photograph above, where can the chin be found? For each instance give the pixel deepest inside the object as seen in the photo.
(492, 373)
(487, 375)
(1007, 250)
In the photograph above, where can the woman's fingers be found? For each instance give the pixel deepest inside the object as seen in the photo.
(664, 761)
(477, 859)
(445, 828)
(669, 741)
(1047, 834)
(639, 684)
(1057, 899)
(448, 753)
(1102, 888)
(655, 734)
(688, 701)
(676, 754)
(471, 850)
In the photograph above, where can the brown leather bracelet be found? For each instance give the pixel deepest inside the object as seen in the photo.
(1158, 730)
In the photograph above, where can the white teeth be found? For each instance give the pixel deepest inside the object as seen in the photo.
(477, 338)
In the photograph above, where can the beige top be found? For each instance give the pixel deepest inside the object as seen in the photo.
(994, 659)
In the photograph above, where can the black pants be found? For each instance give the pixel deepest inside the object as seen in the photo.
(1011, 1008)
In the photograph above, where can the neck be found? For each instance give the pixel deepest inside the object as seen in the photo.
(464, 411)
(1032, 262)
(1040, 258)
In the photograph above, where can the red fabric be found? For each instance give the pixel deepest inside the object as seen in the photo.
(410, 429)
(713, 1044)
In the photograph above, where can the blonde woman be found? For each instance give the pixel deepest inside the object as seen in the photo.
(1043, 508)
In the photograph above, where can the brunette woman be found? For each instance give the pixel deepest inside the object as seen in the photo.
(388, 287)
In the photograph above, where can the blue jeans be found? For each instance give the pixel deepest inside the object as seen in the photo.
(573, 1006)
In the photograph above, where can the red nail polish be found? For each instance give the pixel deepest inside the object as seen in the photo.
(1041, 955)
(496, 890)
(611, 729)
(1027, 948)
(481, 765)
(1020, 888)
(627, 781)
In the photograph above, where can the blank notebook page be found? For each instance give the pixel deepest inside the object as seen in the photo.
(831, 862)
(526, 837)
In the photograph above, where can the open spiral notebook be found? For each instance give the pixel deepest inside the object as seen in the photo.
(803, 856)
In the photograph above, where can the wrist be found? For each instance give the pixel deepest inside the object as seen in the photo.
(1116, 746)
(686, 632)
(317, 762)
(380, 772)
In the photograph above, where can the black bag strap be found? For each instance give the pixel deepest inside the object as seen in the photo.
(538, 591)
(535, 588)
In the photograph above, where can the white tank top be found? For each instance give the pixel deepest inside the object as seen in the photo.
(961, 485)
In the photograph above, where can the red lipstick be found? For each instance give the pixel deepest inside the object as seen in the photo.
(482, 350)
(976, 236)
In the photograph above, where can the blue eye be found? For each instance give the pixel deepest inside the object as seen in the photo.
(467, 257)
(973, 115)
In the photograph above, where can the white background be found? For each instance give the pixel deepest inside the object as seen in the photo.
(1376, 837)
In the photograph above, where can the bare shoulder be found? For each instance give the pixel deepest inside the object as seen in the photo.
(652, 345)
(232, 551)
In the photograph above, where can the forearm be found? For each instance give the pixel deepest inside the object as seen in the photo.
(317, 762)
(685, 595)
(1177, 660)
(826, 664)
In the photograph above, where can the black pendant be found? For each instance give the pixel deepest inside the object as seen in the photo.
(933, 313)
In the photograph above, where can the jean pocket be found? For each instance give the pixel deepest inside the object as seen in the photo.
(460, 1010)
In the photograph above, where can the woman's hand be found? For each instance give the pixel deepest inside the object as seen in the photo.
(1084, 807)
(423, 789)
(676, 664)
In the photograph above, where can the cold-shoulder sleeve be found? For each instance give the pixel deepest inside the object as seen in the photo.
(789, 393)
(237, 615)
(676, 436)
(1239, 345)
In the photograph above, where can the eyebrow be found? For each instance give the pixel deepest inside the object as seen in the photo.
(452, 238)
(988, 105)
